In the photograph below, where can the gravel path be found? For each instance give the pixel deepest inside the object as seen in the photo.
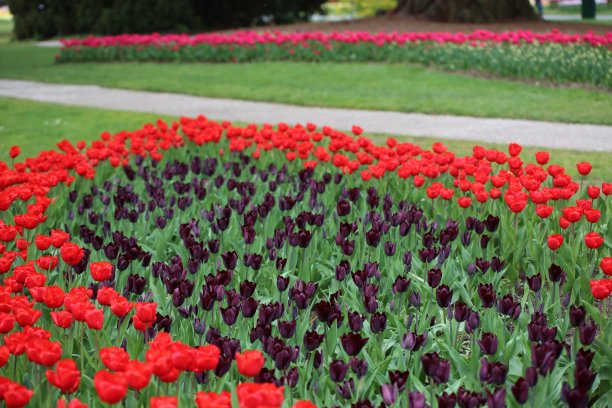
(528, 133)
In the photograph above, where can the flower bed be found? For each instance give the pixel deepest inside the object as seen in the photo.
(554, 56)
(255, 266)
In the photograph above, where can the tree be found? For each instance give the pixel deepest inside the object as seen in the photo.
(468, 11)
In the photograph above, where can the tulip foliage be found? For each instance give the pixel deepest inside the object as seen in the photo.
(205, 264)
(554, 56)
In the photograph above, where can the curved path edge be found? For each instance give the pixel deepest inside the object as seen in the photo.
(486, 130)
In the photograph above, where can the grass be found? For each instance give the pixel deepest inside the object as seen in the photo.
(6, 31)
(36, 126)
(404, 88)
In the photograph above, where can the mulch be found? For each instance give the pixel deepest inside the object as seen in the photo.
(410, 24)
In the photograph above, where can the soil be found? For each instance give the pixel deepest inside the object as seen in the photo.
(406, 24)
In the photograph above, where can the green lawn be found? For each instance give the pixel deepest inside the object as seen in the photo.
(6, 31)
(36, 126)
(397, 87)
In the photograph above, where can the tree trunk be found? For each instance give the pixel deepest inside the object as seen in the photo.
(466, 11)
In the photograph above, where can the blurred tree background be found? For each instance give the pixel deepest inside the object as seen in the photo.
(49, 18)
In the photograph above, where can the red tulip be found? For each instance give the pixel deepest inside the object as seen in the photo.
(111, 388)
(94, 319)
(62, 319)
(542, 158)
(146, 312)
(14, 151)
(593, 192)
(593, 240)
(606, 188)
(584, 168)
(163, 402)
(66, 376)
(514, 149)
(4, 355)
(356, 130)
(250, 362)
(138, 374)
(464, 202)
(555, 241)
(16, 395)
(101, 271)
(71, 253)
(58, 238)
(600, 289)
(74, 403)
(114, 358)
(304, 404)
(251, 395)
(606, 265)
(213, 400)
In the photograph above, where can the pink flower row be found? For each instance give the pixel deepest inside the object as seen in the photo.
(380, 39)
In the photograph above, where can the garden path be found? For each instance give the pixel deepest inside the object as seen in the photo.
(504, 131)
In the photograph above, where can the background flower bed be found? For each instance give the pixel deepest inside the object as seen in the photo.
(556, 57)
(193, 231)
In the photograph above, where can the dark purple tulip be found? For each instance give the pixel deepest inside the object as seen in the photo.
(469, 399)
(247, 288)
(292, 377)
(280, 264)
(229, 315)
(407, 258)
(466, 238)
(400, 285)
(287, 328)
(461, 311)
(230, 259)
(249, 307)
(583, 358)
(535, 282)
(390, 248)
(199, 326)
(415, 299)
(555, 273)
(472, 322)
(482, 264)
(587, 333)
(493, 373)
(576, 315)
(373, 237)
(446, 400)
(484, 241)
(435, 367)
(411, 341)
(492, 222)
(584, 378)
(488, 343)
(416, 400)
(359, 367)
(389, 394)
(343, 207)
(487, 294)
(399, 378)
(355, 321)
(434, 276)
(508, 307)
(443, 296)
(378, 322)
(213, 246)
(338, 370)
(531, 376)
(497, 399)
(343, 269)
(312, 340)
(352, 343)
(347, 389)
(575, 398)
(282, 283)
(248, 234)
